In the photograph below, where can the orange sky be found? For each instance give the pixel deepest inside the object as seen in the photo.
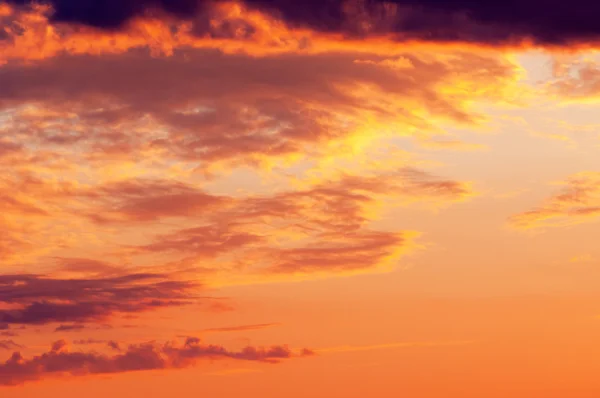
(295, 213)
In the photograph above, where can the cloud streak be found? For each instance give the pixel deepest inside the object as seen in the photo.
(578, 202)
(60, 361)
(388, 346)
(9, 345)
(242, 328)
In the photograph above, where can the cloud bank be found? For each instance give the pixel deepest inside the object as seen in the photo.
(492, 22)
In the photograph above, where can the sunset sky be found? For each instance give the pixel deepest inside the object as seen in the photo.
(279, 198)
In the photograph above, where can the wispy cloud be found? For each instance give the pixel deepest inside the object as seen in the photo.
(154, 150)
(241, 328)
(69, 328)
(231, 372)
(9, 345)
(393, 346)
(578, 202)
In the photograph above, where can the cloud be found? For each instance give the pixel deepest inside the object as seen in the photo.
(114, 345)
(138, 200)
(575, 80)
(112, 15)
(89, 341)
(388, 346)
(134, 148)
(204, 242)
(324, 228)
(360, 251)
(494, 22)
(86, 266)
(233, 109)
(69, 328)
(60, 361)
(242, 328)
(36, 300)
(119, 142)
(9, 345)
(578, 202)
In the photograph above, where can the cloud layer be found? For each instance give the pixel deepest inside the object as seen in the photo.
(157, 149)
(492, 22)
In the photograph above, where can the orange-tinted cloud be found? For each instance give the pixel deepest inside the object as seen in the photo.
(149, 200)
(87, 266)
(578, 202)
(91, 141)
(233, 109)
(324, 228)
(118, 146)
(576, 79)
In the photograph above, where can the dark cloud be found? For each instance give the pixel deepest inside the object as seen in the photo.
(38, 300)
(488, 22)
(6, 331)
(111, 14)
(114, 345)
(493, 21)
(242, 328)
(358, 251)
(69, 328)
(59, 361)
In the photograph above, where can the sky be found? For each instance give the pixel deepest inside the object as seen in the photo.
(335, 198)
